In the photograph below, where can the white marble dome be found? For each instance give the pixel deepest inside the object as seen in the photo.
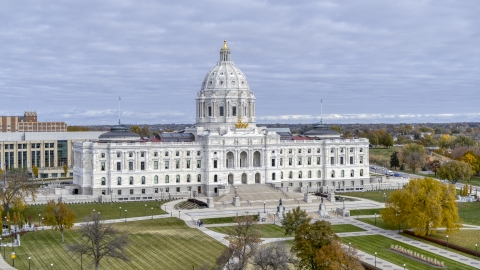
(225, 75)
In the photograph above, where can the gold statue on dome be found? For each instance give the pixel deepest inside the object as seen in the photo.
(240, 124)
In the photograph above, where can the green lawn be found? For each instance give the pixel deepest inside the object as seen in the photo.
(266, 230)
(221, 220)
(385, 152)
(382, 224)
(380, 244)
(355, 213)
(371, 195)
(274, 231)
(469, 213)
(344, 228)
(154, 244)
(107, 210)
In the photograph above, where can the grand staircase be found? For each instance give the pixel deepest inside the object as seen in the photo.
(256, 193)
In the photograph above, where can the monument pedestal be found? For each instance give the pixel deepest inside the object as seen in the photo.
(262, 217)
(331, 196)
(210, 202)
(236, 201)
(307, 197)
(322, 211)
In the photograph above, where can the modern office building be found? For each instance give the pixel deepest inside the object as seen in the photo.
(28, 123)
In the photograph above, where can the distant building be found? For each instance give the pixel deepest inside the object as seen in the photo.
(28, 123)
(49, 151)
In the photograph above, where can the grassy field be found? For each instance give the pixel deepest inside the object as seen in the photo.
(469, 213)
(382, 224)
(356, 213)
(107, 210)
(385, 152)
(274, 231)
(371, 195)
(154, 244)
(380, 244)
(221, 220)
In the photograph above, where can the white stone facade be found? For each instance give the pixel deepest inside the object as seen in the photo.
(221, 154)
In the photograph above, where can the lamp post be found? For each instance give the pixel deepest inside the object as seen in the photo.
(125, 215)
(264, 207)
(152, 211)
(476, 251)
(363, 194)
(375, 219)
(13, 258)
(29, 263)
(375, 259)
(145, 208)
(349, 244)
(384, 197)
(120, 211)
(42, 224)
(51, 266)
(343, 200)
(404, 266)
(179, 211)
(39, 215)
(447, 242)
(161, 191)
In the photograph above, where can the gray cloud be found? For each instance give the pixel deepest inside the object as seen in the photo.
(370, 61)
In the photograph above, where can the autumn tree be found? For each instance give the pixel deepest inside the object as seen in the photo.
(434, 165)
(145, 132)
(446, 141)
(100, 240)
(293, 219)
(455, 171)
(309, 238)
(335, 256)
(274, 256)
(243, 240)
(135, 129)
(473, 160)
(35, 170)
(15, 188)
(463, 140)
(414, 155)
(394, 161)
(424, 204)
(59, 216)
(65, 170)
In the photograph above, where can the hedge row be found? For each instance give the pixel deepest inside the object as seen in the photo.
(200, 203)
(443, 243)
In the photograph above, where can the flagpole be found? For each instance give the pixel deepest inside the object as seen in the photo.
(119, 99)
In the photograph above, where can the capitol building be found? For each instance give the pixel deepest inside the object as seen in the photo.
(225, 147)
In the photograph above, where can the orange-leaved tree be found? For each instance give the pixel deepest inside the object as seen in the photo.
(59, 216)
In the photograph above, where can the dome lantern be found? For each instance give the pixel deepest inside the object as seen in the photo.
(224, 52)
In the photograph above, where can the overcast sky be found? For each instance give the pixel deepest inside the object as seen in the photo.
(370, 61)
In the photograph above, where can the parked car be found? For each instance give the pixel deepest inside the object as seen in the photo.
(397, 174)
(373, 167)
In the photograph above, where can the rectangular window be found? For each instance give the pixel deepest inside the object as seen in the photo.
(273, 162)
(178, 189)
(167, 189)
(119, 192)
(188, 153)
(119, 166)
(167, 165)
(130, 154)
(142, 154)
(309, 161)
(155, 154)
(332, 160)
(341, 160)
(155, 165)
(209, 111)
(177, 153)
(318, 160)
(119, 154)
(289, 151)
(234, 111)
(281, 161)
(188, 164)
(214, 164)
(142, 165)
(102, 155)
(199, 164)
(351, 149)
(198, 153)
(318, 150)
(103, 181)
(166, 154)
(130, 166)
(290, 162)
(299, 151)
(199, 178)
(155, 190)
(351, 160)
(131, 191)
(177, 164)
(221, 110)
(104, 192)
(309, 150)
(361, 159)
(143, 191)
(299, 161)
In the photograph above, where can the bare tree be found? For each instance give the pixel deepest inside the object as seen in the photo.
(15, 188)
(243, 240)
(275, 256)
(100, 240)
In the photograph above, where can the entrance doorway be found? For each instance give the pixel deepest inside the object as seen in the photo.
(199, 190)
(230, 179)
(244, 178)
(257, 178)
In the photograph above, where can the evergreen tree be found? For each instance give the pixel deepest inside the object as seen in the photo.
(394, 162)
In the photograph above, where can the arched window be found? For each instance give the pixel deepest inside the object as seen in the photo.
(361, 172)
(167, 179)
(333, 174)
(273, 176)
(130, 180)
(299, 174)
(143, 180)
(188, 178)
(319, 174)
(281, 175)
(352, 173)
(119, 181)
(177, 178)
(342, 173)
(155, 179)
(103, 181)
(309, 174)
(199, 178)
(215, 178)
